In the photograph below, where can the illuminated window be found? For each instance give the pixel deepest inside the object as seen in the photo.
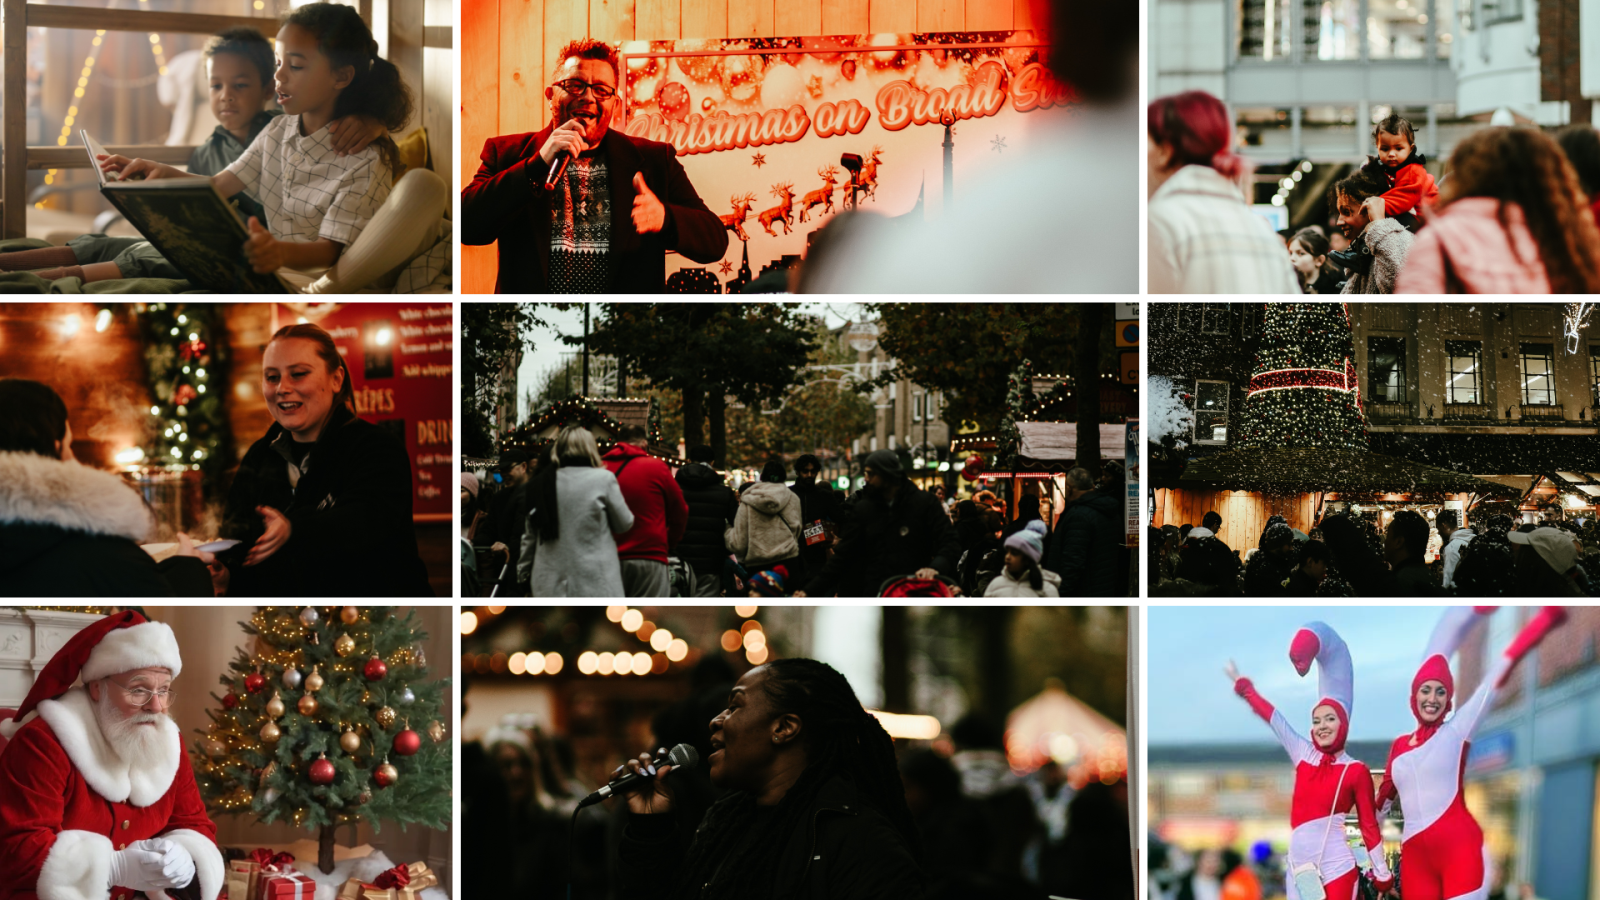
(1538, 375)
(1386, 369)
(1210, 412)
(1214, 318)
(1466, 371)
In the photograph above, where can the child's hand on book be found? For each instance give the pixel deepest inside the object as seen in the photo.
(129, 169)
(264, 251)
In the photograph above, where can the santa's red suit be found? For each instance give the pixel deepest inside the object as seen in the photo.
(68, 801)
(1328, 782)
(1442, 845)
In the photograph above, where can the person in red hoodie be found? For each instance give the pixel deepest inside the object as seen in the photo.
(660, 515)
(1411, 188)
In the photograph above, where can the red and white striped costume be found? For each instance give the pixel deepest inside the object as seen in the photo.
(1442, 846)
(1327, 781)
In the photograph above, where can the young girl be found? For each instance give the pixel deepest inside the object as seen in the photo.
(239, 68)
(317, 201)
(1308, 253)
(1022, 576)
(1402, 167)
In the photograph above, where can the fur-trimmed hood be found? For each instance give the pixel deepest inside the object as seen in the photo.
(71, 717)
(38, 490)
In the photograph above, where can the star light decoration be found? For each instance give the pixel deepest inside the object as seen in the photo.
(1304, 391)
(759, 160)
(999, 143)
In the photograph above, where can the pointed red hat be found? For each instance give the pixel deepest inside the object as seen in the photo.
(117, 643)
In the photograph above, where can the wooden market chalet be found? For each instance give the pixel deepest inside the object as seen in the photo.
(605, 417)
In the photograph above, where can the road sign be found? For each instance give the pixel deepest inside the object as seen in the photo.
(1130, 368)
(1128, 333)
(1127, 310)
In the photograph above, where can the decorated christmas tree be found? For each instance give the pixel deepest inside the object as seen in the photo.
(331, 721)
(1019, 402)
(1303, 390)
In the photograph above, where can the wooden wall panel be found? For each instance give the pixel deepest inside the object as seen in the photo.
(1244, 515)
(705, 18)
(480, 118)
(612, 20)
(899, 16)
(797, 18)
(989, 15)
(750, 18)
(519, 72)
(439, 67)
(941, 15)
(657, 20)
(844, 17)
(1028, 14)
(564, 20)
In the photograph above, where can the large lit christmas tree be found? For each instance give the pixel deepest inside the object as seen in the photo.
(331, 721)
(1303, 390)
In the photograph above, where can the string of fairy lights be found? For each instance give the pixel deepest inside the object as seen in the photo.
(156, 49)
(665, 648)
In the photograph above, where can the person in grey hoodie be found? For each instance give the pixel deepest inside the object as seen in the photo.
(766, 529)
(1455, 538)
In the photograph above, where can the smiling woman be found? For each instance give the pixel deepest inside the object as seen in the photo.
(322, 503)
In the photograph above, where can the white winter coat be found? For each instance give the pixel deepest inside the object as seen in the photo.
(1004, 585)
(766, 529)
(1205, 239)
(1452, 552)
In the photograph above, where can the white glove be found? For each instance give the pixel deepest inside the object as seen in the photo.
(151, 865)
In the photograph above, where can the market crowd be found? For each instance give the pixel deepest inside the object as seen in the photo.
(574, 523)
(1514, 214)
(981, 831)
(1346, 555)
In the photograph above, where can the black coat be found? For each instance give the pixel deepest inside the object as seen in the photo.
(847, 851)
(1085, 548)
(349, 517)
(67, 530)
(712, 506)
(817, 502)
(506, 203)
(878, 541)
(1264, 575)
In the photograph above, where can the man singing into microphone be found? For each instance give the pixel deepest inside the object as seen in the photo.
(605, 223)
(816, 807)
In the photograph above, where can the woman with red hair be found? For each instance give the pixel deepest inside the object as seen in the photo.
(1204, 238)
(1442, 845)
(1327, 780)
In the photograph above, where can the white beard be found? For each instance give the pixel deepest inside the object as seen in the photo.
(140, 740)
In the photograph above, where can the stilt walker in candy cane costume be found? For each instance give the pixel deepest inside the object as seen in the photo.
(1327, 781)
(1442, 847)
(97, 800)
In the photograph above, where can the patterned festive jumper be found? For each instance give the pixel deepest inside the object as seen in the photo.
(1303, 391)
(320, 725)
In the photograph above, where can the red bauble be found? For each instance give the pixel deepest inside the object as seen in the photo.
(385, 775)
(254, 682)
(407, 743)
(375, 669)
(229, 701)
(321, 772)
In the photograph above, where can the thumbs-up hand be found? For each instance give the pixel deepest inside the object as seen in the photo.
(648, 213)
(263, 250)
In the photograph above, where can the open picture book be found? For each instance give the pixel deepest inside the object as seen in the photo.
(192, 225)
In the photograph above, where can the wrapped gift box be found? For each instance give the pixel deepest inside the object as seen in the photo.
(287, 886)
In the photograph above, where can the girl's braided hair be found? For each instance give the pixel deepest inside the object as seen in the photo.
(378, 90)
(841, 739)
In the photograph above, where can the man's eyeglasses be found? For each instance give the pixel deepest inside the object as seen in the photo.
(576, 87)
(142, 695)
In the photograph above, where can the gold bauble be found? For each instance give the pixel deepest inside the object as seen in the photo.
(275, 706)
(270, 732)
(364, 798)
(215, 747)
(267, 773)
(313, 681)
(344, 645)
(387, 775)
(350, 742)
(308, 705)
(436, 731)
(384, 717)
(349, 615)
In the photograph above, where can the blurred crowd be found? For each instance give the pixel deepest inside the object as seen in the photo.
(986, 830)
(1346, 555)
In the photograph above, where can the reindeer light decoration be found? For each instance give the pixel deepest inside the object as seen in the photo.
(734, 222)
(822, 195)
(869, 172)
(783, 212)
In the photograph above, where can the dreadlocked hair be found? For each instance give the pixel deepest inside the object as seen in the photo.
(841, 739)
(1525, 167)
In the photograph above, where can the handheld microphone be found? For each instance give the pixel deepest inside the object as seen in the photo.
(682, 756)
(558, 170)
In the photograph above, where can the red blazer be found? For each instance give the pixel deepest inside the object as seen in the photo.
(58, 830)
(660, 514)
(506, 202)
(1410, 187)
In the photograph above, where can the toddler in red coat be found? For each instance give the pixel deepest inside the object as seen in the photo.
(1403, 167)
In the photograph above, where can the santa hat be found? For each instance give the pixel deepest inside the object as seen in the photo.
(1318, 642)
(118, 643)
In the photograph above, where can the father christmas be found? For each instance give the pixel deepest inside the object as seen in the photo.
(97, 800)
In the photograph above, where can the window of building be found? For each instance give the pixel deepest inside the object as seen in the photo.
(916, 407)
(1210, 412)
(1444, 22)
(1214, 318)
(1594, 373)
(1397, 29)
(1495, 11)
(1332, 29)
(1538, 375)
(1466, 372)
(1386, 369)
(1264, 30)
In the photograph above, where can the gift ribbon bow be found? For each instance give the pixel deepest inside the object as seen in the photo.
(415, 876)
(269, 861)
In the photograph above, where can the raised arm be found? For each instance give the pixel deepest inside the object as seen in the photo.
(1292, 742)
(1471, 712)
(1367, 819)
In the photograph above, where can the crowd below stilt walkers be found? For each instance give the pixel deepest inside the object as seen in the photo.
(575, 523)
